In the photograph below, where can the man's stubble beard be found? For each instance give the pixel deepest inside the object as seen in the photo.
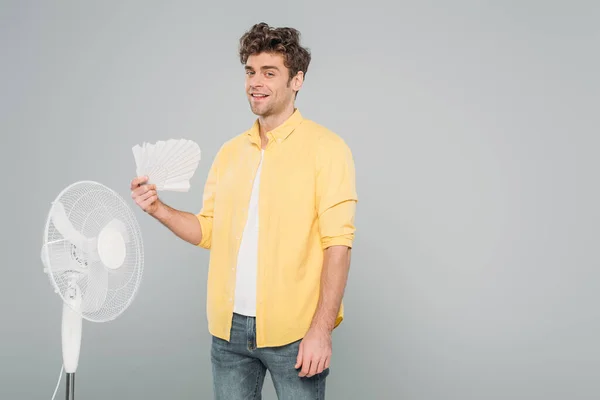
(267, 111)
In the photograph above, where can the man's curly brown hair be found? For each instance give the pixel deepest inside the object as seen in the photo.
(285, 41)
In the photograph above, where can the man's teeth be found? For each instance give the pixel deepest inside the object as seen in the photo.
(259, 95)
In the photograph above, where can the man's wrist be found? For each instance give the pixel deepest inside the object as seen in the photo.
(161, 213)
(322, 327)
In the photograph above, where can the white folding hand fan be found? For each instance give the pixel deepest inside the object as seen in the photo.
(169, 164)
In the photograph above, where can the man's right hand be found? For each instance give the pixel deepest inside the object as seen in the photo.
(144, 195)
(184, 224)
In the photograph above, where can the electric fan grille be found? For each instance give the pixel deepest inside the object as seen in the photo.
(72, 255)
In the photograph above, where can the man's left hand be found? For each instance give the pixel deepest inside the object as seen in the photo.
(314, 353)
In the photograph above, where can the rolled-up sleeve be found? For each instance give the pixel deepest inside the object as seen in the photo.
(336, 192)
(206, 214)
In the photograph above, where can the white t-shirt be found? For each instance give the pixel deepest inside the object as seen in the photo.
(245, 288)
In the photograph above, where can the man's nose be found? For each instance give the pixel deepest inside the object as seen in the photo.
(256, 81)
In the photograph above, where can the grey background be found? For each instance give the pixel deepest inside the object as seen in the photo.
(475, 134)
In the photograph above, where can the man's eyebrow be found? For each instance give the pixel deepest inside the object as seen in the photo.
(265, 67)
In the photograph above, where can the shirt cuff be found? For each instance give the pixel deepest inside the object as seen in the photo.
(206, 227)
(337, 241)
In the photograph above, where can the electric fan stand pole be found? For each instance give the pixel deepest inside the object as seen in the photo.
(71, 339)
(70, 395)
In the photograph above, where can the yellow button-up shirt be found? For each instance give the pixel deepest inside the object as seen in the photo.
(307, 201)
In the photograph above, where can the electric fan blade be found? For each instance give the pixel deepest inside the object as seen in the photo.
(96, 289)
(64, 226)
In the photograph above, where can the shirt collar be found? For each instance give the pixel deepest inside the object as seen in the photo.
(281, 132)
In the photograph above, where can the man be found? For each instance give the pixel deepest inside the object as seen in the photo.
(278, 217)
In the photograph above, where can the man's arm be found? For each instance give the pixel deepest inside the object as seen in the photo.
(314, 354)
(336, 264)
(183, 224)
(336, 205)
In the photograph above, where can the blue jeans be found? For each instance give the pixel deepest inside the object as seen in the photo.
(239, 367)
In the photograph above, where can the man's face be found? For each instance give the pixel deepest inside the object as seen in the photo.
(268, 86)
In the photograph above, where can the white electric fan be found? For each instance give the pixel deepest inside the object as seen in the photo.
(93, 255)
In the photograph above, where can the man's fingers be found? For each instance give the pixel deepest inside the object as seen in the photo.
(147, 195)
(314, 367)
(146, 203)
(306, 365)
(320, 366)
(299, 357)
(137, 181)
(142, 190)
(139, 190)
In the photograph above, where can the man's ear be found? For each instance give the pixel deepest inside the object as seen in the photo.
(297, 81)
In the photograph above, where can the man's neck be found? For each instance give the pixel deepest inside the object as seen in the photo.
(271, 122)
